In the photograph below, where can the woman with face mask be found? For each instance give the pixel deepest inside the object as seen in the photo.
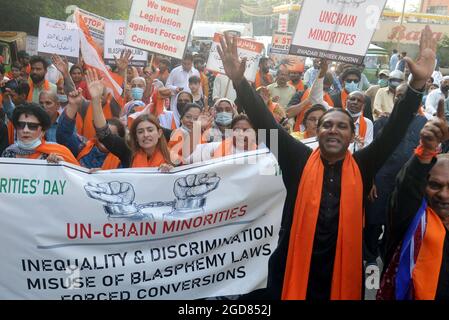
(146, 145)
(30, 123)
(224, 111)
(136, 104)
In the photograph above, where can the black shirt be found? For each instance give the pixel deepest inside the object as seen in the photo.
(292, 156)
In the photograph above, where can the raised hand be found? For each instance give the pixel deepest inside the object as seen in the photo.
(60, 64)
(436, 130)
(323, 68)
(124, 60)
(76, 98)
(234, 68)
(94, 84)
(423, 67)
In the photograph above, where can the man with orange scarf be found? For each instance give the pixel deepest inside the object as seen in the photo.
(363, 126)
(37, 80)
(417, 259)
(319, 255)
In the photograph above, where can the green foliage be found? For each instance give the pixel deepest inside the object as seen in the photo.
(443, 51)
(21, 15)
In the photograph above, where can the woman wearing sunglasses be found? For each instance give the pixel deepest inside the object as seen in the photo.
(30, 123)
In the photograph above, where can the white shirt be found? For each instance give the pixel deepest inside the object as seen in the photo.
(369, 136)
(223, 88)
(432, 102)
(179, 78)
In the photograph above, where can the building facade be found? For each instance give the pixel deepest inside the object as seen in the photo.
(435, 6)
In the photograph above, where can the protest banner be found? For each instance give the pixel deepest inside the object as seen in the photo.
(336, 30)
(95, 24)
(58, 37)
(249, 49)
(280, 48)
(201, 231)
(113, 44)
(161, 26)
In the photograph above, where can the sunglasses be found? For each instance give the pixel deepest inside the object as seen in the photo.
(31, 125)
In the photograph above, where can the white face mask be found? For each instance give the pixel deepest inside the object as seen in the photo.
(354, 115)
(29, 145)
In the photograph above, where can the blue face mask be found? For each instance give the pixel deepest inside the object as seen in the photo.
(29, 145)
(383, 83)
(62, 98)
(351, 86)
(137, 93)
(224, 118)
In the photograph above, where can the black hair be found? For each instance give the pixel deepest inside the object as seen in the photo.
(331, 110)
(2, 69)
(23, 88)
(240, 117)
(262, 60)
(37, 59)
(16, 65)
(165, 61)
(188, 56)
(22, 54)
(194, 79)
(350, 71)
(76, 66)
(119, 125)
(316, 107)
(32, 109)
(395, 51)
(187, 107)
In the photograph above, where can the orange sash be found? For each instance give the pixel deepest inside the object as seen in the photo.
(298, 87)
(30, 94)
(60, 150)
(300, 116)
(111, 161)
(427, 269)
(259, 77)
(363, 127)
(347, 273)
(344, 98)
(141, 160)
(85, 127)
(11, 133)
(177, 140)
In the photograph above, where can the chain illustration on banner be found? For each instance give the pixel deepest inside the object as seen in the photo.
(190, 192)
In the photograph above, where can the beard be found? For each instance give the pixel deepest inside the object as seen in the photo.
(36, 78)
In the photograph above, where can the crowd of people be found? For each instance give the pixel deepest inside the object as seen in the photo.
(364, 165)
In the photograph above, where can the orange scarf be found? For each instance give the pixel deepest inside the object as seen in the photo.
(427, 269)
(60, 150)
(177, 141)
(260, 78)
(363, 127)
(111, 161)
(31, 93)
(85, 127)
(226, 148)
(347, 273)
(11, 133)
(141, 159)
(344, 98)
(298, 87)
(300, 116)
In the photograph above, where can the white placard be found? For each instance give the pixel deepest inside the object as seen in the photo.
(58, 37)
(336, 30)
(113, 44)
(249, 49)
(161, 26)
(96, 25)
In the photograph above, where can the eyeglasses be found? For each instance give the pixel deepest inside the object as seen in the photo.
(31, 125)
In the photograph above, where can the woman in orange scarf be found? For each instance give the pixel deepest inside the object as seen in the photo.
(319, 254)
(310, 122)
(30, 122)
(417, 259)
(147, 146)
(185, 139)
